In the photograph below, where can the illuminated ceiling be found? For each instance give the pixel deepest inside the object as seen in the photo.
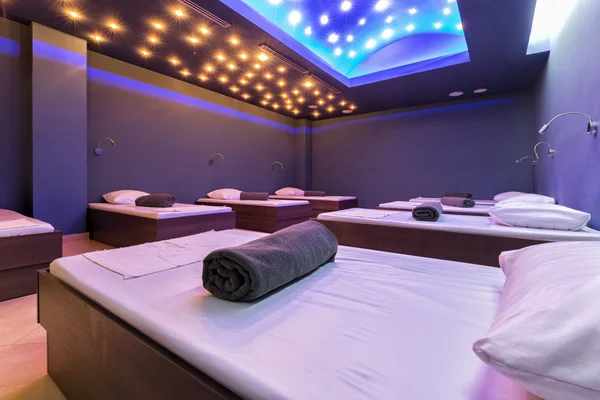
(364, 41)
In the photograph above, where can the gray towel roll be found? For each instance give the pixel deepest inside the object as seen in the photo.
(156, 200)
(254, 196)
(252, 270)
(428, 212)
(459, 194)
(458, 202)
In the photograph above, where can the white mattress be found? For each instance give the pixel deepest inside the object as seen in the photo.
(409, 205)
(464, 224)
(14, 224)
(426, 199)
(262, 203)
(177, 211)
(372, 325)
(308, 198)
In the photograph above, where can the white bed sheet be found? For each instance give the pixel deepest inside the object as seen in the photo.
(409, 205)
(262, 203)
(177, 211)
(426, 199)
(372, 325)
(29, 227)
(464, 224)
(308, 198)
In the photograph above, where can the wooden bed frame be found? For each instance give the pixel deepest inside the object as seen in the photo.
(266, 219)
(122, 230)
(324, 206)
(453, 246)
(445, 212)
(94, 355)
(21, 257)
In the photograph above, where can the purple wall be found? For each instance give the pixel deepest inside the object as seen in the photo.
(165, 137)
(398, 155)
(571, 82)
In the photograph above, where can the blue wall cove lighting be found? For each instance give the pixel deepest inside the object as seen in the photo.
(364, 41)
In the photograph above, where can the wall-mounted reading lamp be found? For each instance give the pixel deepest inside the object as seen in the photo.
(99, 150)
(551, 151)
(526, 157)
(211, 161)
(592, 125)
(275, 163)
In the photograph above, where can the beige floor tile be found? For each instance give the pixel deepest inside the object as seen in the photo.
(22, 363)
(82, 246)
(37, 336)
(14, 329)
(40, 389)
(9, 305)
(27, 308)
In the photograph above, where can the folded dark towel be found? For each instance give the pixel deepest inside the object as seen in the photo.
(458, 202)
(313, 193)
(254, 196)
(156, 200)
(427, 212)
(252, 270)
(459, 195)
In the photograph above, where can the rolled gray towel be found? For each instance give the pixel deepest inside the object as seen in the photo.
(313, 193)
(459, 194)
(156, 200)
(252, 270)
(428, 212)
(458, 202)
(254, 196)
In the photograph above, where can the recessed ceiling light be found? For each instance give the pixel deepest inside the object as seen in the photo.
(352, 54)
(338, 51)
(158, 26)
(262, 57)
(362, 21)
(347, 111)
(308, 30)
(185, 72)
(324, 19)
(204, 30)
(73, 14)
(193, 40)
(381, 5)
(145, 53)
(275, 2)
(387, 33)
(482, 90)
(295, 17)
(333, 38)
(447, 11)
(410, 27)
(459, 27)
(456, 94)
(389, 19)
(346, 5)
(413, 11)
(179, 13)
(307, 84)
(97, 38)
(349, 38)
(174, 61)
(313, 106)
(437, 25)
(370, 43)
(234, 41)
(114, 26)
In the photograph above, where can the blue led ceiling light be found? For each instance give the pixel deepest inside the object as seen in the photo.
(364, 41)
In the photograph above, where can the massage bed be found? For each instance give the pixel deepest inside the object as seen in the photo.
(371, 325)
(463, 238)
(438, 199)
(120, 225)
(264, 215)
(26, 245)
(321, 204)
(478, 210)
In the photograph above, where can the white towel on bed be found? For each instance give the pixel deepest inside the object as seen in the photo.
(364, 213)
(16, 223)
(151, 258)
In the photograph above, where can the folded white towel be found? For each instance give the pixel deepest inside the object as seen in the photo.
(17, 223)
(364, 213)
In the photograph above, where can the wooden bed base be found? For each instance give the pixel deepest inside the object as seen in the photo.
(324, 206)
(94, 355)
(453, 246)
(122, 230)
(266, 219)
(445, 212)
(21, 257)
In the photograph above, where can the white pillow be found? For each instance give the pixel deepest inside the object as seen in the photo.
(506, 195)
(546, 335)
(542, 216)
(225, 194)
(123, 196)
(528, 198)
(290, 191)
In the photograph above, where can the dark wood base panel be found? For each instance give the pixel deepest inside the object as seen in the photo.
(323, 206)
(94, 355)
(267, 219)
(453, 246)
(21, 257)
(445, 212)
(122, 230)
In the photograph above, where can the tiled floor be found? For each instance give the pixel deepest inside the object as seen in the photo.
(23, 372)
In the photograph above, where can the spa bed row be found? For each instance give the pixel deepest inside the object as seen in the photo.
(352, 329)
